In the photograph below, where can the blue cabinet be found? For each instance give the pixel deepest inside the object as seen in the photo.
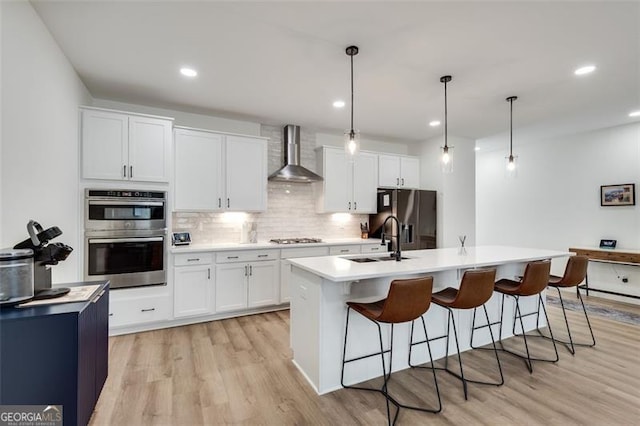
(56, 355)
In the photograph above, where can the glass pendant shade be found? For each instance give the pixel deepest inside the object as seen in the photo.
(351, 143)
(446, 159)
(511, 163)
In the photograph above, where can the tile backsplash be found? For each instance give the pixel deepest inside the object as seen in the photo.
(290, 207)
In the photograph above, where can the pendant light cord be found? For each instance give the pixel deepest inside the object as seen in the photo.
(352, 131)
(445, 114)
(510, 99)
(511, 129)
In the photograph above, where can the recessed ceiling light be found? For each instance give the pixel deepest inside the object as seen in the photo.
(587, 69)
(188, 72)
(338, 104)
(434, 123)
(634, 114)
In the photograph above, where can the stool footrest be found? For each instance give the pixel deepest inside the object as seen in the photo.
(366, 356)
(464, 379)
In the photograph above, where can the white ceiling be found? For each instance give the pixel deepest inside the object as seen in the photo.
(284, 62)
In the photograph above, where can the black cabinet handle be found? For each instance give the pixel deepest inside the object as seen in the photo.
(219, 202)
(263, 255)
(148, 310)
(195, 259)
(111, 314)
(402, 181)
(355, 205)
(349, 205)
(208, 273)
(232, 257)
(397, 181)
(228, 203)
(250, 270)
(124, 171)
(130, 171)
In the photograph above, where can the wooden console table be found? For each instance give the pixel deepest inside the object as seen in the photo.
(620, 257)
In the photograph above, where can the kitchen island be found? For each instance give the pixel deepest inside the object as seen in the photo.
(321, 286)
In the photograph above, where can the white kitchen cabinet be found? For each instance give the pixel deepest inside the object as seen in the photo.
(193, 285)
(219, 172)
(246, 279)
(198, 170)
(262, 284)
(397, 171)
(121, 146)
(246, 183)
(348, 186)
(231, 287)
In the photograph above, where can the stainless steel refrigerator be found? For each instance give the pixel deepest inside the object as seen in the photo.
(416, 212)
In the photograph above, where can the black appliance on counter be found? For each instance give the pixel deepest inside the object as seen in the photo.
(45, 255)
(416, 212)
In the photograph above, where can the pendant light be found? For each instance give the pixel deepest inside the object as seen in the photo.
(446, 159)
(511, 159)
(352, 136)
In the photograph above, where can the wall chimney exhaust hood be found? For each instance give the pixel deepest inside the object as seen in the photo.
(292, 171)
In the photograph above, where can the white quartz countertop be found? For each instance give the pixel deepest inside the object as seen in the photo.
(340, 268)
(261, 245)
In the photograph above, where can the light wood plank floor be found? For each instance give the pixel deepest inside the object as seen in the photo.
(239, 371)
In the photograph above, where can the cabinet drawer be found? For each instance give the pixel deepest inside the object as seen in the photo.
(247, 256)
(183, 259)
(139, 310)
(292, 253)
(350, 249)
(373, 248)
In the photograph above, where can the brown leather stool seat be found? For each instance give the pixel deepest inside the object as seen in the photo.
(406, 301)
(534, 281)
(574, 274)
(475, 290)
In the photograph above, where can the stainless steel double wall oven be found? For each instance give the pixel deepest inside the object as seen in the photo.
(125, 234)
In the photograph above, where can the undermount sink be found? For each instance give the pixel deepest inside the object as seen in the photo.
(373, 259)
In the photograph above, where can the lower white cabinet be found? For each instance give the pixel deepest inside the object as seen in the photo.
(138, 310)
(246, 279)
(193, 283)
(231, 287)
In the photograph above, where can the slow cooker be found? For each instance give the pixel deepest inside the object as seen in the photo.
(16, 276)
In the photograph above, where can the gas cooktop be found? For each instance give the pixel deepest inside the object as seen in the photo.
(296, 240)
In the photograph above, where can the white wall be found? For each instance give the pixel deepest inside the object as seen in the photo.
(555, 200)
(186, 119)
(456, 191)
(39, 161)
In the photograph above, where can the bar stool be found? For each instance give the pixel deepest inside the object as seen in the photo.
(574, 274)
(534, 281)
(407, 300)
(475, 290)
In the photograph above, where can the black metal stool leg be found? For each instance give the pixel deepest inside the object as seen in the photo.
(593, 338)
(495, 349)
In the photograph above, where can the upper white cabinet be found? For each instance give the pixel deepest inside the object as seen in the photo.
(121, 146)
(396, 171)
(348, 186)
(216, 172)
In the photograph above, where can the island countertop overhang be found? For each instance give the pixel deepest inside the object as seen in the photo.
(341, 269)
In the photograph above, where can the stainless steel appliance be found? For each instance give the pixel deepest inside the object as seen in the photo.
(292, 171)
(16, 276)
(416, 211)
(125, 237)
(296, 240)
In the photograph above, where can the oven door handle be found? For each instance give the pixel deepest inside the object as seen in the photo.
(124, 240)
(126, 203)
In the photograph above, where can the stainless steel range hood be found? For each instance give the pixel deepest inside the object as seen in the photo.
(292, 171)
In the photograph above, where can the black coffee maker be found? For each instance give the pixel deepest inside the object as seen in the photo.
(44, 256)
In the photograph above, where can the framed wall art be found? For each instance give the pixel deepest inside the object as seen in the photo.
(618, 195)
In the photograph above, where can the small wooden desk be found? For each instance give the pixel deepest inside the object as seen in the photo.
(620, 257)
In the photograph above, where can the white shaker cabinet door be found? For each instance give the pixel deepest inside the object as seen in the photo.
(365, 174)
(410, 172)
(388, 171)
(149, 149)
(246, 185)
(105, 141)
(337, 181)
(193, 290)
(231, 286)
(263, 283)
(199, 171)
